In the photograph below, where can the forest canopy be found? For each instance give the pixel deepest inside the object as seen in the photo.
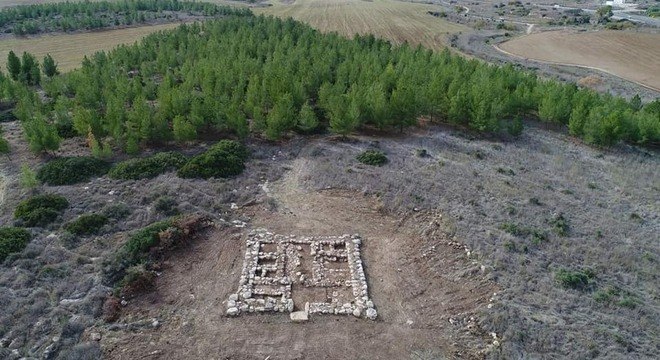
(86, 15)
(266, 76)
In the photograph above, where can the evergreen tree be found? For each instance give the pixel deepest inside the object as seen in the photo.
(13, 65)
(49, 66)
(30, 73)
(281, 118)
(307, 120)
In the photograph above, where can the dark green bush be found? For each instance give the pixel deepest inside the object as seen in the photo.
(141, 241)
(224, 159)
(86, 224)
(372, 157)
(148, 167)
(578, 279)
(166, 206)
(40, 210)
(12, 240)
(71, 170)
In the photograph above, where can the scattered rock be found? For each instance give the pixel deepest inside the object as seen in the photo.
(95, 336)
(372, 314)
(232, 311)
(299, 316)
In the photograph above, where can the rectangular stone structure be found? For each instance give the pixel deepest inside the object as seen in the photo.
(317, 275)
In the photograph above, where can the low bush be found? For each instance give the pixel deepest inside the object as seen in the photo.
(373, 158)
(166, 206)
(116, 211)
(12, 240)
(224, 159)
(86, 224)
(40, 210)
(560, 224)
(149, 167)
(145, 245)
(71, 170)
(579, 279)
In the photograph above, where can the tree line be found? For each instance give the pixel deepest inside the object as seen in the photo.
(267, 76)
(70, 16)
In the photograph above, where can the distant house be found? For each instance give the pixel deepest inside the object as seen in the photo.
(615, 2)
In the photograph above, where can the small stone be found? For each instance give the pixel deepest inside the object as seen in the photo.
(409, 322)
(299, 316)
(357, 312)
(233, 297)
(155, 323)
(232, 311)
(95, 336)
(231, 304)
(372, 314)
(124, 303)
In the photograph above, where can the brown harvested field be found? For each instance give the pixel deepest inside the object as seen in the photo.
(69, 49)
(629, 55)
(393, 20)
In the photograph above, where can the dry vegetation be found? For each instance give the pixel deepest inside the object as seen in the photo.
(394, 20)
(69, 49)
(634, 56)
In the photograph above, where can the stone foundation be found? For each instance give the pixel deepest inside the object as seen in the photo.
(317, 275)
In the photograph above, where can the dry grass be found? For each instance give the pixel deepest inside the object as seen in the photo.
(69, 49)
(629, 55)
(393, 20)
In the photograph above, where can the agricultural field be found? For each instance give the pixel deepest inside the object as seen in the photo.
(389, 19)
(631, 55)
(70, 49)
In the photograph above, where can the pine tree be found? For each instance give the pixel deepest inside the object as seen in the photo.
(183, 129)
(41, 135)
(13, 65)
(49, 66)
(307, 120)
(281, 118)
(30, 73)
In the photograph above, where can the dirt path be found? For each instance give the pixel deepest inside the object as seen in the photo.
(424, 288)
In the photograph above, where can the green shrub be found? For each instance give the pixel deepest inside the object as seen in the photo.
(579, 279)
(224, 159)
(373, 158)
(40, 210)
(166, 206)
(142, 240)
(116, 211)
(149, 167)
(514, 229)
(560, 224)
(12, 240)
(71, 170)
(86, 224)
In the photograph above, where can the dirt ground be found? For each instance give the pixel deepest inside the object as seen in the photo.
(418, 284)
(634, 56)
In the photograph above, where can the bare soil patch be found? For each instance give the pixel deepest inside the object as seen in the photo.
(634, 56)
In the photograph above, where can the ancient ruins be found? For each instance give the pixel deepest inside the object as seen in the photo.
(302, 276)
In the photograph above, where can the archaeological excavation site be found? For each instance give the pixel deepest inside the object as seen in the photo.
(302, 276)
